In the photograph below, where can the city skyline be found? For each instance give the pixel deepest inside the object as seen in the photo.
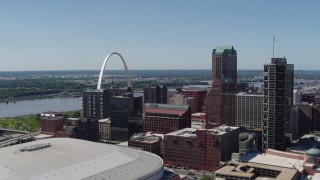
(77, 35)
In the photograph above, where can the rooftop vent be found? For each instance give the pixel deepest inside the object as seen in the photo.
(35, 147)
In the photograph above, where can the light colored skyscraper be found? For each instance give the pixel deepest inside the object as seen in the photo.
(249, 110)
(278, 92)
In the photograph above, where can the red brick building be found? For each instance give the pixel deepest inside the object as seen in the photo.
(199, 96)
(147, 142)
(200, 148)
(220, 103)
(51, 123)
(166, 118)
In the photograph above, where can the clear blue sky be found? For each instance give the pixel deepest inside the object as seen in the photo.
(166, 34)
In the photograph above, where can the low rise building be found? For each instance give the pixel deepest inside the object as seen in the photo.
(147, 142)
(198, 120)
(245, 143)
(104, 129)
(250, 171)
(166, 118)
(200, 148)
(51, 123)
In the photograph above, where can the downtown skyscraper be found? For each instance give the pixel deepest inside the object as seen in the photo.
(220, 100)
(277, 103)
(224, 63)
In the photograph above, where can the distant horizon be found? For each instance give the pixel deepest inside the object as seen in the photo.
(142, 70)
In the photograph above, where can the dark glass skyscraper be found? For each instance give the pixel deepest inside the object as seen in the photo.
(278, 95)
(155, 94)
(126, 116)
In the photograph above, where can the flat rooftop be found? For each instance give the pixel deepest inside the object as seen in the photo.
(247, 170)
(245, 94)
(198, 114)
(68, 158)
(178, 112)
(190, 132)
(104, 120)
(166, 106)
(273, 160)
(145, 137)
(186, 132)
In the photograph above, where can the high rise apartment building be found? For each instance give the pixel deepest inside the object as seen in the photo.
(166, 118)
(95, 104)
(224, 63)
(200, 148)
(249, 110)
(278, 92)
(156, 94)
(220, 103)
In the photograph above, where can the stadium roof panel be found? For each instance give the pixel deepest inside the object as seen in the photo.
(77, 159)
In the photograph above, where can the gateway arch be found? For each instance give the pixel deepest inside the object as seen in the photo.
(104, 65)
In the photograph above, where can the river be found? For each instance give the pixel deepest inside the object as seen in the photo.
(27, 107)
(38, 106)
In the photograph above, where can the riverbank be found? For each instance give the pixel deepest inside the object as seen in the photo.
(30, 123)
(21, 108)
(37, 97)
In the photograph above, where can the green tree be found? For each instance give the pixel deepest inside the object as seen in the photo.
(206, 177)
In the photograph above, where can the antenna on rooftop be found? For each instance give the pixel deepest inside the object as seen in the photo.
(274, 39)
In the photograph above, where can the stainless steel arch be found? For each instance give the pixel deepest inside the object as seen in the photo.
(104, 65)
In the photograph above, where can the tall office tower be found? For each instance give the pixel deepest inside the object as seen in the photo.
(220, 103)
(95, 104)
(199, 96)
(180, 99)
(155, 94)
(278, 92)
(126, 116)
(249, 110)
(165, 118)
(224, 63)
(119, 110)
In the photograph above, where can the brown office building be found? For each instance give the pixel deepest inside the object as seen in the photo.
(51, 123)
(156, 94)
(200, 148)
(224, 63)
(166, 118)
(199, 96)
(220, 103)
